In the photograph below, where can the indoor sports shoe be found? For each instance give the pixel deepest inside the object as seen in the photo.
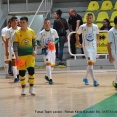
(46, 77)
(86, 81)
(50, 81)
(16, 80)
(23, 92)
(32, 92)
(96, 83)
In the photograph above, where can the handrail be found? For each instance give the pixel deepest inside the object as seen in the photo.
(79, 54)
(45, 17)
(36, 13)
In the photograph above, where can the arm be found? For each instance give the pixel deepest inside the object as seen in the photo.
(98, 39)
(34, 42)
(111, 59)
(15, 48)
(69, 27)
(77, 24)
(77, 37)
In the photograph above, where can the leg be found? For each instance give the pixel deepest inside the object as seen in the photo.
(31, 76)
(56, 50)
(72, 44)
(10, 68)
(15, 71)
(61, 41)
(22, 81)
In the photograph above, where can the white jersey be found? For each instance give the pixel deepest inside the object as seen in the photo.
(112, 38)
(46, 36)
(10, 34)
(88, 35)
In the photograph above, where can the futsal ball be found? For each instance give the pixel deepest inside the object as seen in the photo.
(114, 84)
(51, 46)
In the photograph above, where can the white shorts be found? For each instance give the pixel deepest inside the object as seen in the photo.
(90, 53)
(50, 58)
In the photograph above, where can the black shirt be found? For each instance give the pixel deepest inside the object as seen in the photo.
(106, 28)
(59, 27)
(73, 21)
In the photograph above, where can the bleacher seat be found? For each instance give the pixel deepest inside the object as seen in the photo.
(93, 6)
(113, 16)
(115, 7)
(112, 24)
(99, 25)
(106, 5)
(101, 16)
(84, 19)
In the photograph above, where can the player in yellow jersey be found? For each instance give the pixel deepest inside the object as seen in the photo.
(25, 48)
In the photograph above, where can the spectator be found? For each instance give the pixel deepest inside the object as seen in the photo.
(106, 25)
(60, 25)
(75, 20)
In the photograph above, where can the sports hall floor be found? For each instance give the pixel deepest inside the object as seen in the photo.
(67, 97)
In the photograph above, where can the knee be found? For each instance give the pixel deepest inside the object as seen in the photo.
(31, 71)
(22, 73)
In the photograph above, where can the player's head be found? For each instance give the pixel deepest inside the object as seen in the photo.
(23, 22)
(89, 18)
(115, 20)
(9, 23)
(57, 14)
(72, 12)
(14, 21)
(47, 24)
(106, 22)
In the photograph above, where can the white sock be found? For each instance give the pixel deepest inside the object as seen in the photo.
(115, 81)
(15, 71)
(87, 72)
(6, 68)
(92, 72)
(49, 71)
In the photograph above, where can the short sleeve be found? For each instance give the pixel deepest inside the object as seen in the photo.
(97, 30)
(15, 39)
(3, 33)
(110, 35)
(80, 30)
(34, 36)
(8, 34)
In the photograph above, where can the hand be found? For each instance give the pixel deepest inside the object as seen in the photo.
(34, 53)
(42, 46)
(17, 59)
(79, 45)
(111, 59)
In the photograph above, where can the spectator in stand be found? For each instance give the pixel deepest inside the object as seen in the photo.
(75, 20)
(60, 25)
(106, 25)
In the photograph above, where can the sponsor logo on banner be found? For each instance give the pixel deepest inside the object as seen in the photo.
(102, 48)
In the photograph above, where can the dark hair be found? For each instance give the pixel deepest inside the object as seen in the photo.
(46, 19)
(24, 18)
(13, 18)
(59, 12)
(115, 20)
(107, 20)
(9, 21)
(89, 14)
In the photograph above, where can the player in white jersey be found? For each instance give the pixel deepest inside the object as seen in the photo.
(9, 48)
(45, 36)
(112, 48)
(90, 33)
(6, 60)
